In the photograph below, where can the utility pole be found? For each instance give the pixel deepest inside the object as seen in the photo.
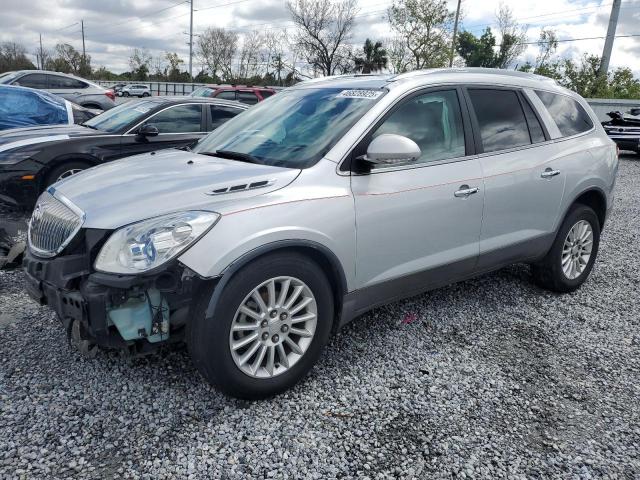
(191, 43)
(41, 62)
(455, 33)
(608, 44)
(84, 52)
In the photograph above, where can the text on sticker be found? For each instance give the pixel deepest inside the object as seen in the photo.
(368, 94)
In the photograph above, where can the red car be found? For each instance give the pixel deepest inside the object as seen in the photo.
(243, 94)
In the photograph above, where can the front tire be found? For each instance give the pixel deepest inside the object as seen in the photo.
(125, 94)
(268, 329)
(570, 260)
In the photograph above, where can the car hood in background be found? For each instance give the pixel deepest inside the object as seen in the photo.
(18, 137)
(145, 186)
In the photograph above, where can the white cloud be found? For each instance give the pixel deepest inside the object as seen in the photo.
(114, 28)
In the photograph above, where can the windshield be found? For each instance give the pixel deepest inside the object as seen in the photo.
(202, 92)
(8, 76)
(119, 117)
(293, 129)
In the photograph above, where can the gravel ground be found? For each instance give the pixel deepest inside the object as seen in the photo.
(488, 378)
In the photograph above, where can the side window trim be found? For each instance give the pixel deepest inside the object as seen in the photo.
(348, 162)
(522, 99)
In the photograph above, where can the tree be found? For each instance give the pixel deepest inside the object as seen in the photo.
(513, 37)
(622, 84)
(249, 55)
(547, 46)
(399, 55)
(374, 58)
(426, 27)
(477, 51)
(139, 62)
(216, 49)
(323, 29)
(173, 73)
(67, 59)
(13, 56)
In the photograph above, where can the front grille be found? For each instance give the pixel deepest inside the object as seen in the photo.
(53, 225)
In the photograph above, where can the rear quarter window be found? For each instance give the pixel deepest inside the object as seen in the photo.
(570, 117)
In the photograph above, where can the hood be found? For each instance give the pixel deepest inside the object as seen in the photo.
(18, 137)
(145, 186)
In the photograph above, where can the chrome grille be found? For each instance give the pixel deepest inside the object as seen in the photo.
(52, 226)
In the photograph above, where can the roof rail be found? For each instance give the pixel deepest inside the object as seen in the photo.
(481, 70)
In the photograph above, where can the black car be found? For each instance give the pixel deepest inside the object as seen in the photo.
(33, 158)
(624, 129)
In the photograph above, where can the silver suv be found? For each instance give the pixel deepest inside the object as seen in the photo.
(135, 90)
(75, 89)
(316, 205)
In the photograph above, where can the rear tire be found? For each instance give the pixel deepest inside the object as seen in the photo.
(213, 339)
(65, 170)
(567, 265)
(145, 94)
(125, 94)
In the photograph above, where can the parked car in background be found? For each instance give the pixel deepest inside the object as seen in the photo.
(624, 129)
(77, 90)
(117, 87)
(243, 94)
(135, 90)
(336, 196)
(25, 107)
(31, 159)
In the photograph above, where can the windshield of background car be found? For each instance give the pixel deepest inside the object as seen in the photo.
(202, 92)
(119, 117)
(293, 129)
(7, 77)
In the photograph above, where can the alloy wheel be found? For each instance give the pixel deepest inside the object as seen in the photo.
(68, 173)
(273, 327)
(576, 250)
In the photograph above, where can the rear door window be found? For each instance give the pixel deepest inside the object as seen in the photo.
(535, 128)
(227, 95)
(220, 114)
(33, 80)
(249, 98)
(570, 117)
(501, 119)
(65, 83)
(179, 119)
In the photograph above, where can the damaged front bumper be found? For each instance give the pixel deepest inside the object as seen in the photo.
(136, 312)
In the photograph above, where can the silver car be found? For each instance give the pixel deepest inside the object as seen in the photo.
(316, 205)
(135, 90)
(75, 89)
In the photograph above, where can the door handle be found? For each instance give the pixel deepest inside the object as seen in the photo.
(465, 191)
(549, 172)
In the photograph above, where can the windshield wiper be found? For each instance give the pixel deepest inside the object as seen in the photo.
(242, 157)
(88, 126)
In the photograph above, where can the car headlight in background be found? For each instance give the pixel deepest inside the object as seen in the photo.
(11, 158)
(148, 244)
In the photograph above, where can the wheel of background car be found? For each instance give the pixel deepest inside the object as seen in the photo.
(125, 94)
(268, 329)
(145, 94)
(65, 170)
(574, 251)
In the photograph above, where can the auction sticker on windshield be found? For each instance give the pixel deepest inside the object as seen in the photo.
(367, 94)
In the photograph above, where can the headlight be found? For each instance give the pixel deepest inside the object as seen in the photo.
(11, 158)
(145, 245)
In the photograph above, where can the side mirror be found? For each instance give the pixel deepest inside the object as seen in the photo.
(148, 130)
(389, 149)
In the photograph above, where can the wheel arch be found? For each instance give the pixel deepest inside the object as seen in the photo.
(61, 160)
(595, 199)
(323, 256)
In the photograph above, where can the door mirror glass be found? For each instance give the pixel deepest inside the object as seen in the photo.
(148, 130)
(390, 148)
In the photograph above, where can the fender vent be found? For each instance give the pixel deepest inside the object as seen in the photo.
(241, 187)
